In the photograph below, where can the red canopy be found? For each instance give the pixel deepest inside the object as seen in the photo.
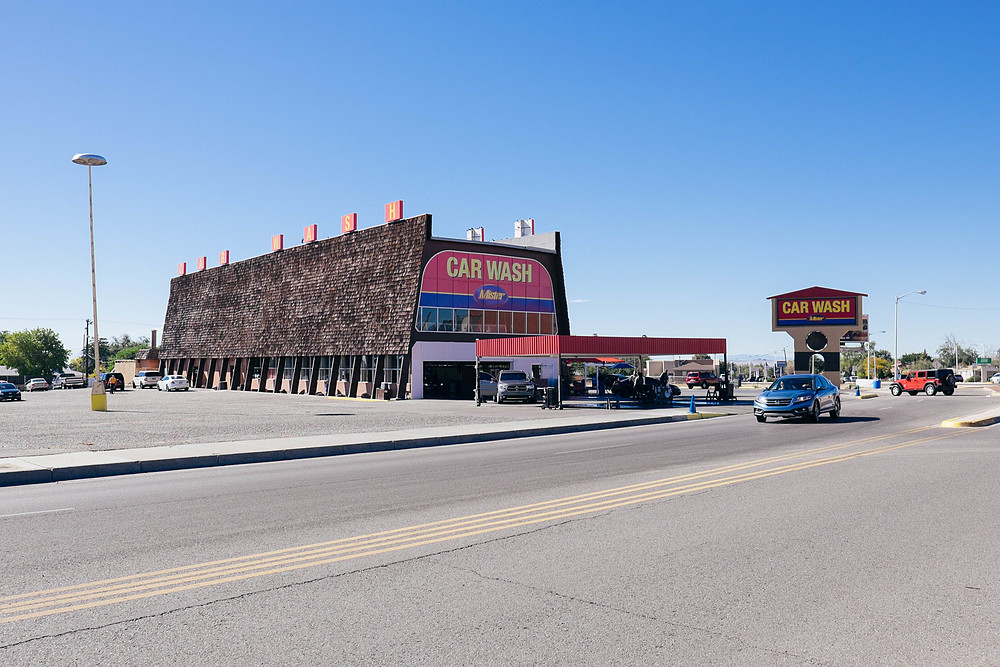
(596, 346)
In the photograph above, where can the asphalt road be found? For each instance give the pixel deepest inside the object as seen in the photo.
(867, 540)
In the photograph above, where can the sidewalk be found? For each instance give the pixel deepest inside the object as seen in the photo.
(84, 464)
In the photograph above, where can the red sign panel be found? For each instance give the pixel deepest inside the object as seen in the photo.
(349, 223)
(394, 211)
(223, 257)
(277, 242)
(816, 312)
(182, 268)
(310, 233)
(454, 279)
(202, 263)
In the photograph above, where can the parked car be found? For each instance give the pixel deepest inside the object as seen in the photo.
(930, 381)
(515, 384)
(487, 386)
(146, 379)
(959, 378)
(9, 392)
(118, 376)
(995, 378)
(36, 384)
(701, 379)
(172, 383)
(804, 395)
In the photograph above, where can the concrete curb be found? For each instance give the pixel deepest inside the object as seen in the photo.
(82, 465)
(968, 422)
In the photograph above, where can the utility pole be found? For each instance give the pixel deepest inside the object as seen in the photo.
(86, 343)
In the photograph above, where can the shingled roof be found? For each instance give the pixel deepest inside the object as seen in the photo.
(351, 294)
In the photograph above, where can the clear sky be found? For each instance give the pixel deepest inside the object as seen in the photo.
(696, 157)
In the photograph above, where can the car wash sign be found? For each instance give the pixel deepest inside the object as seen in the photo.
(454, 279)
(816, 311)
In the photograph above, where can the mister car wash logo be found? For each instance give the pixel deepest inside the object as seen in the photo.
(490, 295)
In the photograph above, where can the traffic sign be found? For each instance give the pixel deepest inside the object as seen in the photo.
(984, 360)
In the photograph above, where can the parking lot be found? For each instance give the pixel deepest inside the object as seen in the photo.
(61, 421)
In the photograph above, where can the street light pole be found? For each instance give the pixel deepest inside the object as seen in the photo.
(98, 399)
(871, 352)
(895, 331)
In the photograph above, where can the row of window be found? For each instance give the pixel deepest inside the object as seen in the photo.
(393, 365)
(485, 321)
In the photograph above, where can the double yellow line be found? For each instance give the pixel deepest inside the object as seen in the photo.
(174, 580)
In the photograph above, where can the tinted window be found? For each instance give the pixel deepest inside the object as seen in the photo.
(514, 376)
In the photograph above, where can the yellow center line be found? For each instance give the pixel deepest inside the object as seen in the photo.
(83, 596)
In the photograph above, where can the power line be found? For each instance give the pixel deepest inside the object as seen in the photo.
(934, 305)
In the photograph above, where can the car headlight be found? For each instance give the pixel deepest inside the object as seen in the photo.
(502, 386)
(759, 399)
(803, 399)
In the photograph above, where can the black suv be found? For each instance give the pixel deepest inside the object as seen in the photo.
(121, 380)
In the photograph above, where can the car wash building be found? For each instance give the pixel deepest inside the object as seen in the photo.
(388, 311)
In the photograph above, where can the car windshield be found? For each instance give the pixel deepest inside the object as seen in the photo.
(513, 376)
(792, 384)
(7, 385)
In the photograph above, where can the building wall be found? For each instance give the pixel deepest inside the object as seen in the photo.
(354, 294)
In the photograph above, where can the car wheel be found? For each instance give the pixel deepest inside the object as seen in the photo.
(835, 413)
(814, 415)
(186, 388)
(930, 390)
(895, 390)
(948, 392)
(761, 418)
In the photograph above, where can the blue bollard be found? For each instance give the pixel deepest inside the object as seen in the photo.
(857, 391)
(691, 409)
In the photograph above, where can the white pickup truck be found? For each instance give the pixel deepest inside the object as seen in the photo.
(72, 381)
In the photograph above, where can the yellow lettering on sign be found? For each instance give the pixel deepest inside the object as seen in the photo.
(463, 269)
(450, 267)
(477, 269)
(513, 272)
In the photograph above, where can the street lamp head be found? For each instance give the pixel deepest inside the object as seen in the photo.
(921, 291)
(89, 160)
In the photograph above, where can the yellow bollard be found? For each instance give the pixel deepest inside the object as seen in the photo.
(98, 399)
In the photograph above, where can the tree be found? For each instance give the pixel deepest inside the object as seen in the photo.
(124, 342)
(130, 352)
(882, 369)
(34, 353)
(87, 355)
(951, 349)
(915, 360)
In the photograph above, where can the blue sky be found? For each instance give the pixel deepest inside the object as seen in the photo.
(696, 157)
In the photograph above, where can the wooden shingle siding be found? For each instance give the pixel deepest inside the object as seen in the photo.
(352, 294)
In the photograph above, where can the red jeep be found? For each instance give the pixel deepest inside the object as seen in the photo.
(930, 382)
